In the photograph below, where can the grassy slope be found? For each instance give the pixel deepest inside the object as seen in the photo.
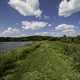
(44, 60)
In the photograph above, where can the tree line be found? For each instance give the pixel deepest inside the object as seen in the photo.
(39, 38)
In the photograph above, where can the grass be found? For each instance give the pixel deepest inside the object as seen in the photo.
(43, 60)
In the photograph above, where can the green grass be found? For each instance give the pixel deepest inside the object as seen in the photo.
(43, 60)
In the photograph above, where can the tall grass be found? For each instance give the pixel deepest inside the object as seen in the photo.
(43, 60)
(73, 51)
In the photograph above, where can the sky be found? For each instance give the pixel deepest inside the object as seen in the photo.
(39, 17)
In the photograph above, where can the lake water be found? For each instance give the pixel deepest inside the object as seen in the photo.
(6, 46)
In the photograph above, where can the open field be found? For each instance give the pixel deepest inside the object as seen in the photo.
(43, 60)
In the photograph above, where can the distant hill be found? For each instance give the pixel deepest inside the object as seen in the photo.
(29, 38)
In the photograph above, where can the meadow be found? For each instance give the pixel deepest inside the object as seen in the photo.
(42, 60)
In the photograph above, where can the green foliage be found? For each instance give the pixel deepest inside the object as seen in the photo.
(73, 51)
(43, 60)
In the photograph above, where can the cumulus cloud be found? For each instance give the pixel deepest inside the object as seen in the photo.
(54, 34)
(65, 29)
(68, 7)
(33, 25)
(42, 33)
(26, 7)
(9, 32)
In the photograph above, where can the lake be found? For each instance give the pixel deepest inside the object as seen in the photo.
(6, 46)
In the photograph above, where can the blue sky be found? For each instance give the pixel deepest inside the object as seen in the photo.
(14, 23)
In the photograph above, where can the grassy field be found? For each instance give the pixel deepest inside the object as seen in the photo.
(43, 60)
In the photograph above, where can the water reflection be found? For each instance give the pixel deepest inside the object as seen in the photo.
(6, 46)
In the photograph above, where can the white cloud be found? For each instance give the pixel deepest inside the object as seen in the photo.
(54, 34)
(65, 29)
(67, 8)
(10, 32)
(50, 25)
(26, 7)
(42, 33)
(60, 30)
(33, 25)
